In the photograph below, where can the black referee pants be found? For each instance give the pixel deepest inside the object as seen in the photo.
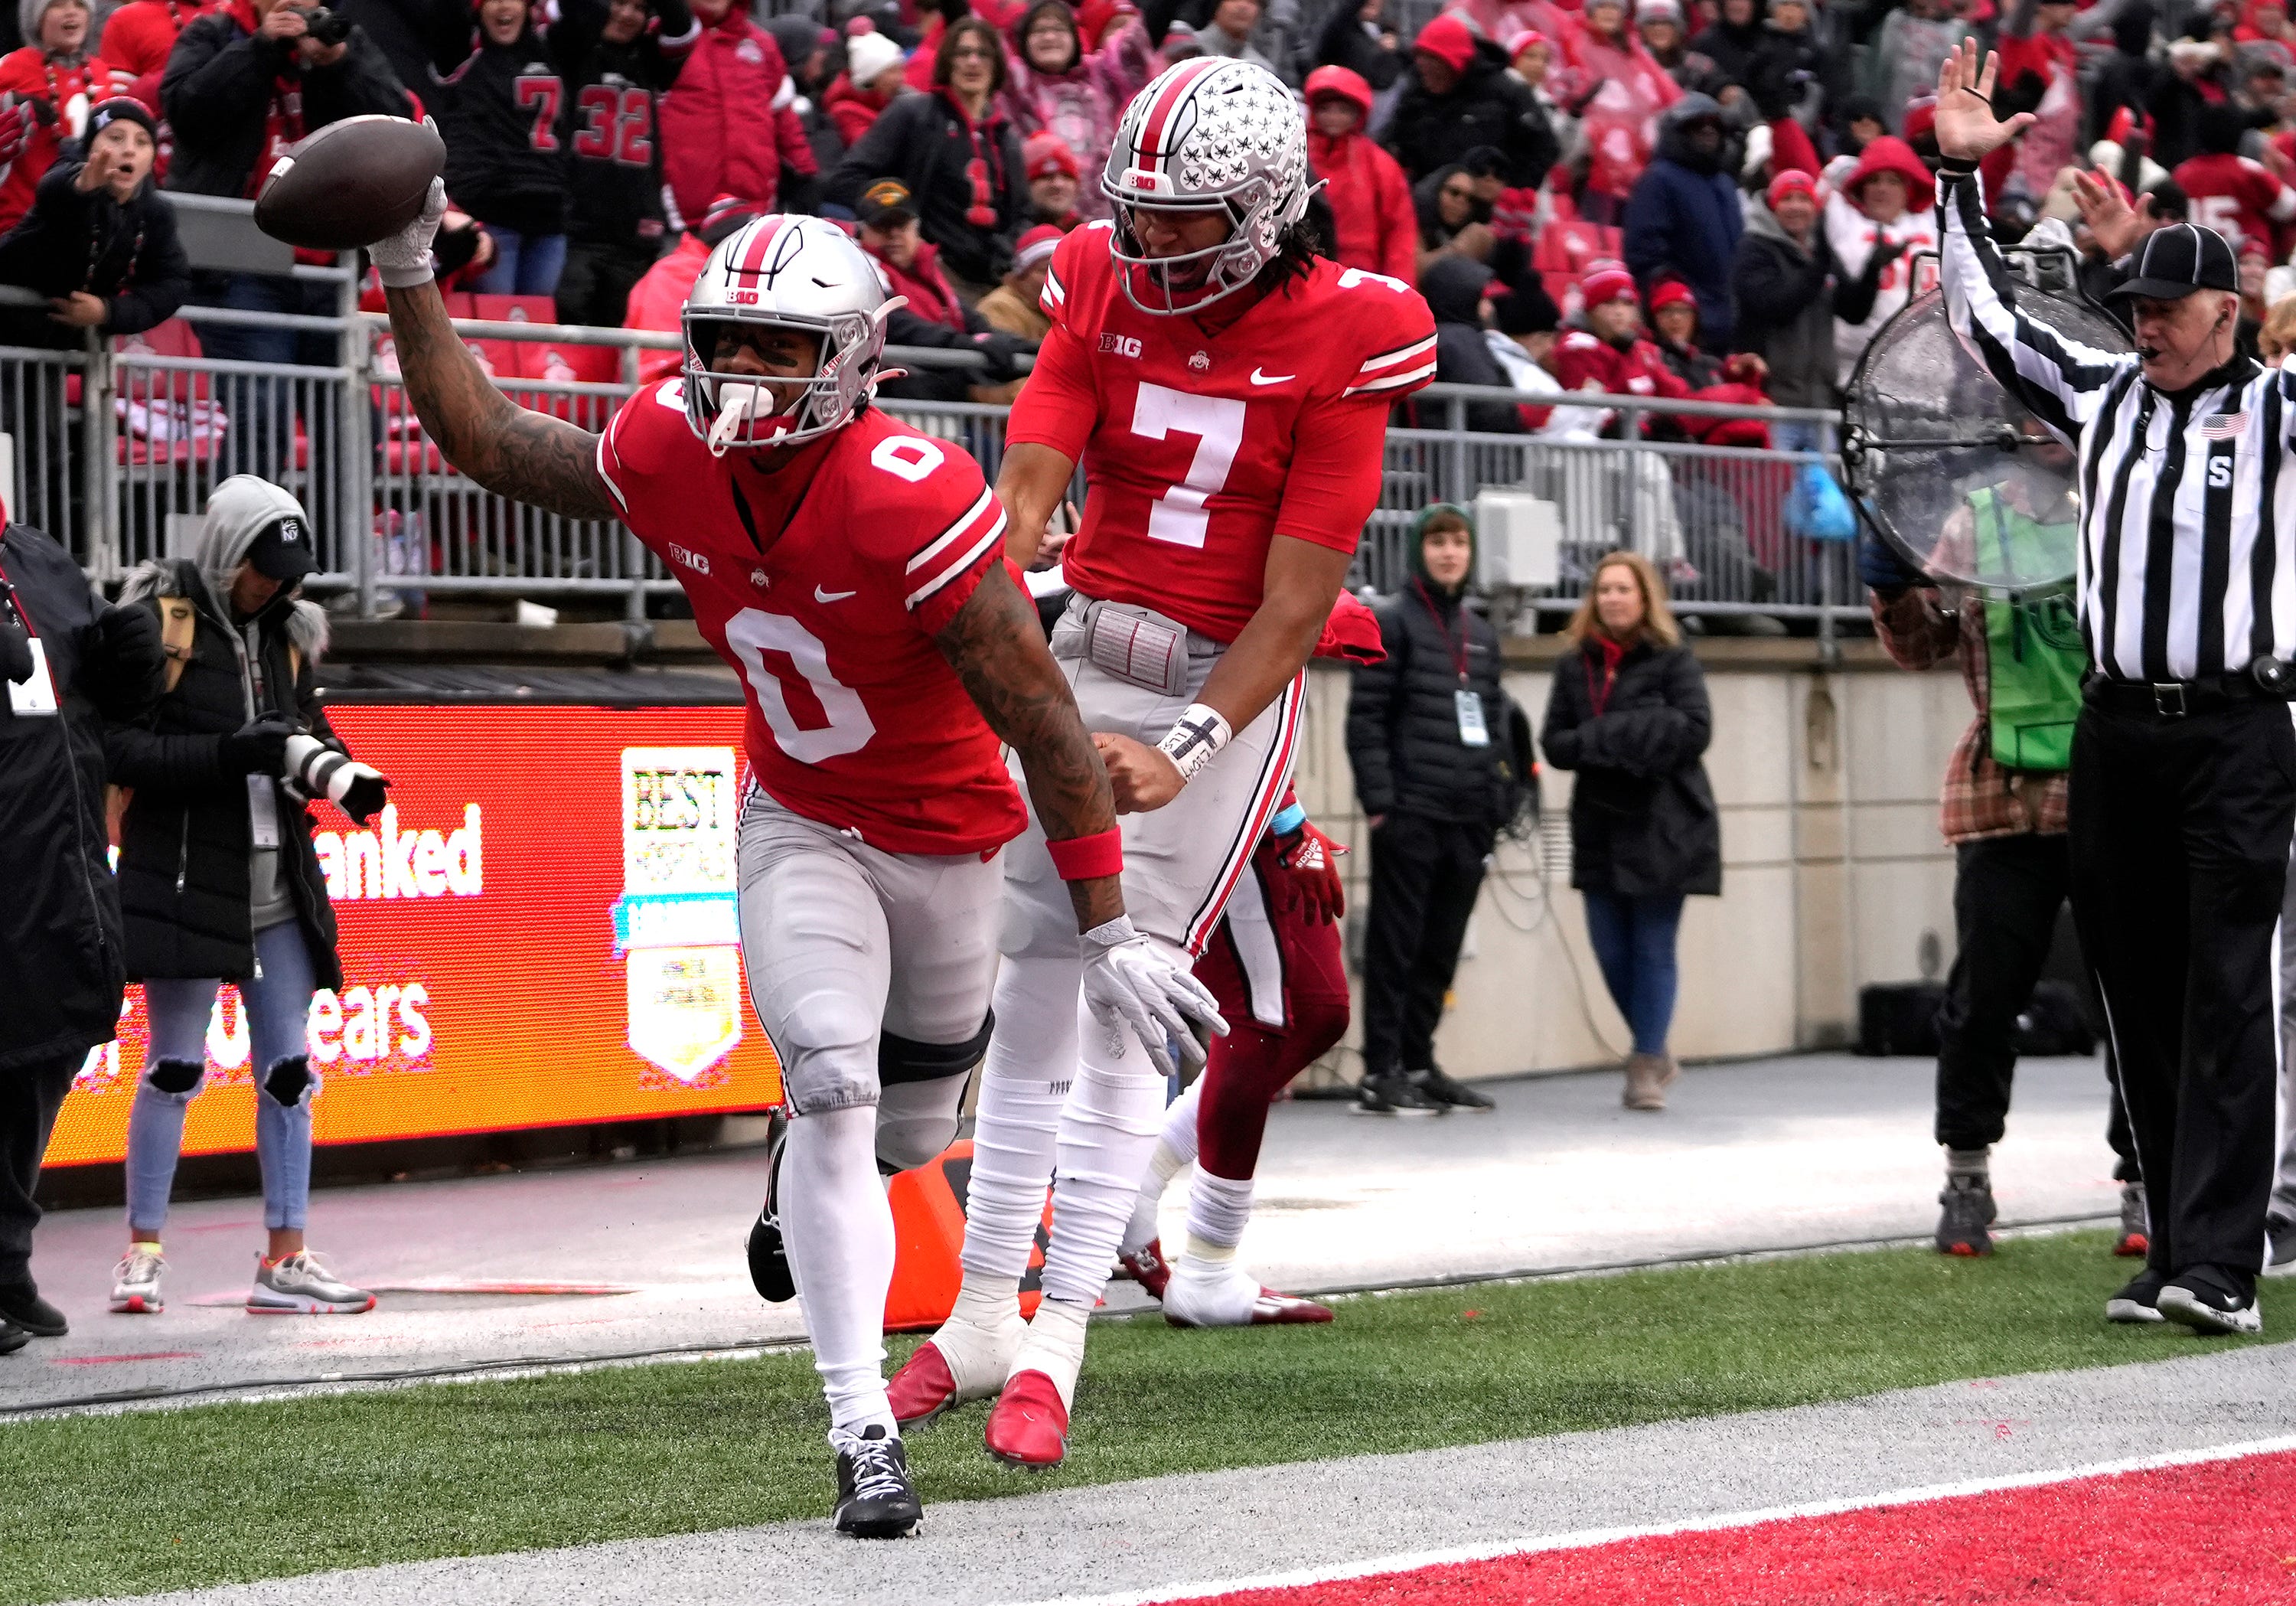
(2180, 832)
(2006, 893)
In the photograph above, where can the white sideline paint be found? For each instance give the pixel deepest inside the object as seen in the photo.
(1585, 1538)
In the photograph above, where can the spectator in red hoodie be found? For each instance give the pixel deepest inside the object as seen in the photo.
(51, 83)
(724, 130)
(1372, 211)
(875, 73)
(1054, 184)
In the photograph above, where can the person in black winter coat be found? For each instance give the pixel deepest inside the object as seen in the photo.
(219, 877)
(1787, 288)
(959, 156)
(1629, 713)
(1459, 96)
(100, 242)
(1731, 39)
(1683, 217)
(618, 57)
(62, 959)
(1357, 36)
(243, 83)
(1457, 292)
(1427, 732)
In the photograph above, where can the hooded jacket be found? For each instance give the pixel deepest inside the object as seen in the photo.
(62, 958)
(1854, 237)
(1454, 287)
(1372, 211)
(1787, 296)
(186, 842)
(1080, 105)
(1403, 712)
(725, 128)
(1683, 218)
(1488, 106)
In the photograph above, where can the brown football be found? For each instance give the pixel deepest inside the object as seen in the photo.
(351, 182)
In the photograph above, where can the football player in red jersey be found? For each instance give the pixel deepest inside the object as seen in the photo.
(1226, 391)
(853, 570)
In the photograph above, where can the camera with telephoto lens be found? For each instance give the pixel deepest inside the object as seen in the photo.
(328, 28)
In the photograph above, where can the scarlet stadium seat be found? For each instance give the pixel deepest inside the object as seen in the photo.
(928, 1235)
(165, 415)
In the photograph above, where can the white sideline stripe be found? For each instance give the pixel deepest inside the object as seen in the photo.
(1585, 1538)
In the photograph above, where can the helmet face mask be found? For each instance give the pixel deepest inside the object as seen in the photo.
(1206, 135)
(795, 274)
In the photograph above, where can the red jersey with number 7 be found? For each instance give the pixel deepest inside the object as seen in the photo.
(1204, 438)
(825, 594)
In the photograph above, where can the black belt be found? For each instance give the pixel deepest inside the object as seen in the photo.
(2267, 680)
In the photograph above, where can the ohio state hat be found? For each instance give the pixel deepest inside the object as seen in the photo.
(2180, 260)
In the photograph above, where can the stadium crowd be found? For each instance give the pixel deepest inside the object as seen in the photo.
(1719, 199)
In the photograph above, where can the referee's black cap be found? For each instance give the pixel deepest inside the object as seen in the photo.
(2180, 260)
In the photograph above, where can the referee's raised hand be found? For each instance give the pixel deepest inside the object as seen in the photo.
(1966, 129)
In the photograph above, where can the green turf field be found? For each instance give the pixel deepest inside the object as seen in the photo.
(169, 1499)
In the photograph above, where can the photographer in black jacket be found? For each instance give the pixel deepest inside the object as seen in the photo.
(68, 663)
(244, 82)
(219, 878)
(1427, 730)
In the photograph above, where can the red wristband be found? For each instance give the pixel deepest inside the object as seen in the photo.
(1084, 858)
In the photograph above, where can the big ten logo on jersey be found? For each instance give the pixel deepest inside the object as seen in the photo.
(677, 920)
(390, 862)
(1120, 345)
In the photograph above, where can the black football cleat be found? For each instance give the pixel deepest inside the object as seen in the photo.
(875, 1499)
(769, 1267)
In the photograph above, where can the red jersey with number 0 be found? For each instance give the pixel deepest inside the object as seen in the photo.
(829, 609)
(1200, 447)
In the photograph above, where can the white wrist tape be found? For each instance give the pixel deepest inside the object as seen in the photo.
(1194, 739)
(1112, 934)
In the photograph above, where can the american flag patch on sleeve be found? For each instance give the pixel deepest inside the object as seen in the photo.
(2224, 426)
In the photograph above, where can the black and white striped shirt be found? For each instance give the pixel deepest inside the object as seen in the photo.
(2185, 567)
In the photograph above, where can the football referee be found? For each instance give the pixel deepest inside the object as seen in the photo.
(2184, 760)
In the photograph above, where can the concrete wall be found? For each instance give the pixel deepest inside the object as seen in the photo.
(1833, 873)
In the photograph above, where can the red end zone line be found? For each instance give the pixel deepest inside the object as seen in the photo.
(1927, 1558)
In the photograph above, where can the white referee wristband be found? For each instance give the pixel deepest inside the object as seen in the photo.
(1195, 737)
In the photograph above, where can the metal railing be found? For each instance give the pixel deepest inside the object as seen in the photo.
(115, 451)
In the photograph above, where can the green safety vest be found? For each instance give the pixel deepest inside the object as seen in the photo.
(2034, 647)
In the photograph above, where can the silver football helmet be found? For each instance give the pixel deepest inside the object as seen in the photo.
(1207, 134)
(795, 273)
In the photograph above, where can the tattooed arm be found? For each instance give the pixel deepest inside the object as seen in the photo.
(997, 648)
(515, 452)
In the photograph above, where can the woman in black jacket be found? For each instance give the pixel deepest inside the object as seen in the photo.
(1629, 713)
(68, 663)
(959, 156)
(218, 879)
(1426, 732)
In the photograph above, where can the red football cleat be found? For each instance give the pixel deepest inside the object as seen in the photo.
(2133, 1246)
(1028, 1427)
(921, 1390)
(1148, 1267)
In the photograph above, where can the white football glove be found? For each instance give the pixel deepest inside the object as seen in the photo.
(1130, 983)
(404, 260)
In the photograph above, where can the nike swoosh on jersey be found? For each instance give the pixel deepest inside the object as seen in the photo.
(1257, 377)
(821, 596)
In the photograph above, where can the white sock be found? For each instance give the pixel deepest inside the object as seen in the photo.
(839, 1231)
(1024, 1085)
(983, 1328)
(1175, 1147)
(1055, 1346)
(1219, 1209)
(1106, 1134)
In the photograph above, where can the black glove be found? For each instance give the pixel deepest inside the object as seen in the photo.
(1000, 349)
(1880, 566)
(124, 666)
(258, 747)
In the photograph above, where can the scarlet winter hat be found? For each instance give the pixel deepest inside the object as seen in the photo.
(1673, 292)
(1607, 283)
(1048, 154)
(1448, 39)
(1793, 181)
(1038, 245)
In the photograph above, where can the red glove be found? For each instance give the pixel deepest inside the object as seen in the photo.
(15, 127)
(1311, 865)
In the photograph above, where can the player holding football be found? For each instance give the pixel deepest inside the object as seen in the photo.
(853, 570)
(1227, 391)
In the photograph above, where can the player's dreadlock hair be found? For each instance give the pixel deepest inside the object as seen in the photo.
(1296, 251)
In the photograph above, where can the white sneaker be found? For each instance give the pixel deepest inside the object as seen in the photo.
(301, 1285)
(1225, 1295)
(135, 1282)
